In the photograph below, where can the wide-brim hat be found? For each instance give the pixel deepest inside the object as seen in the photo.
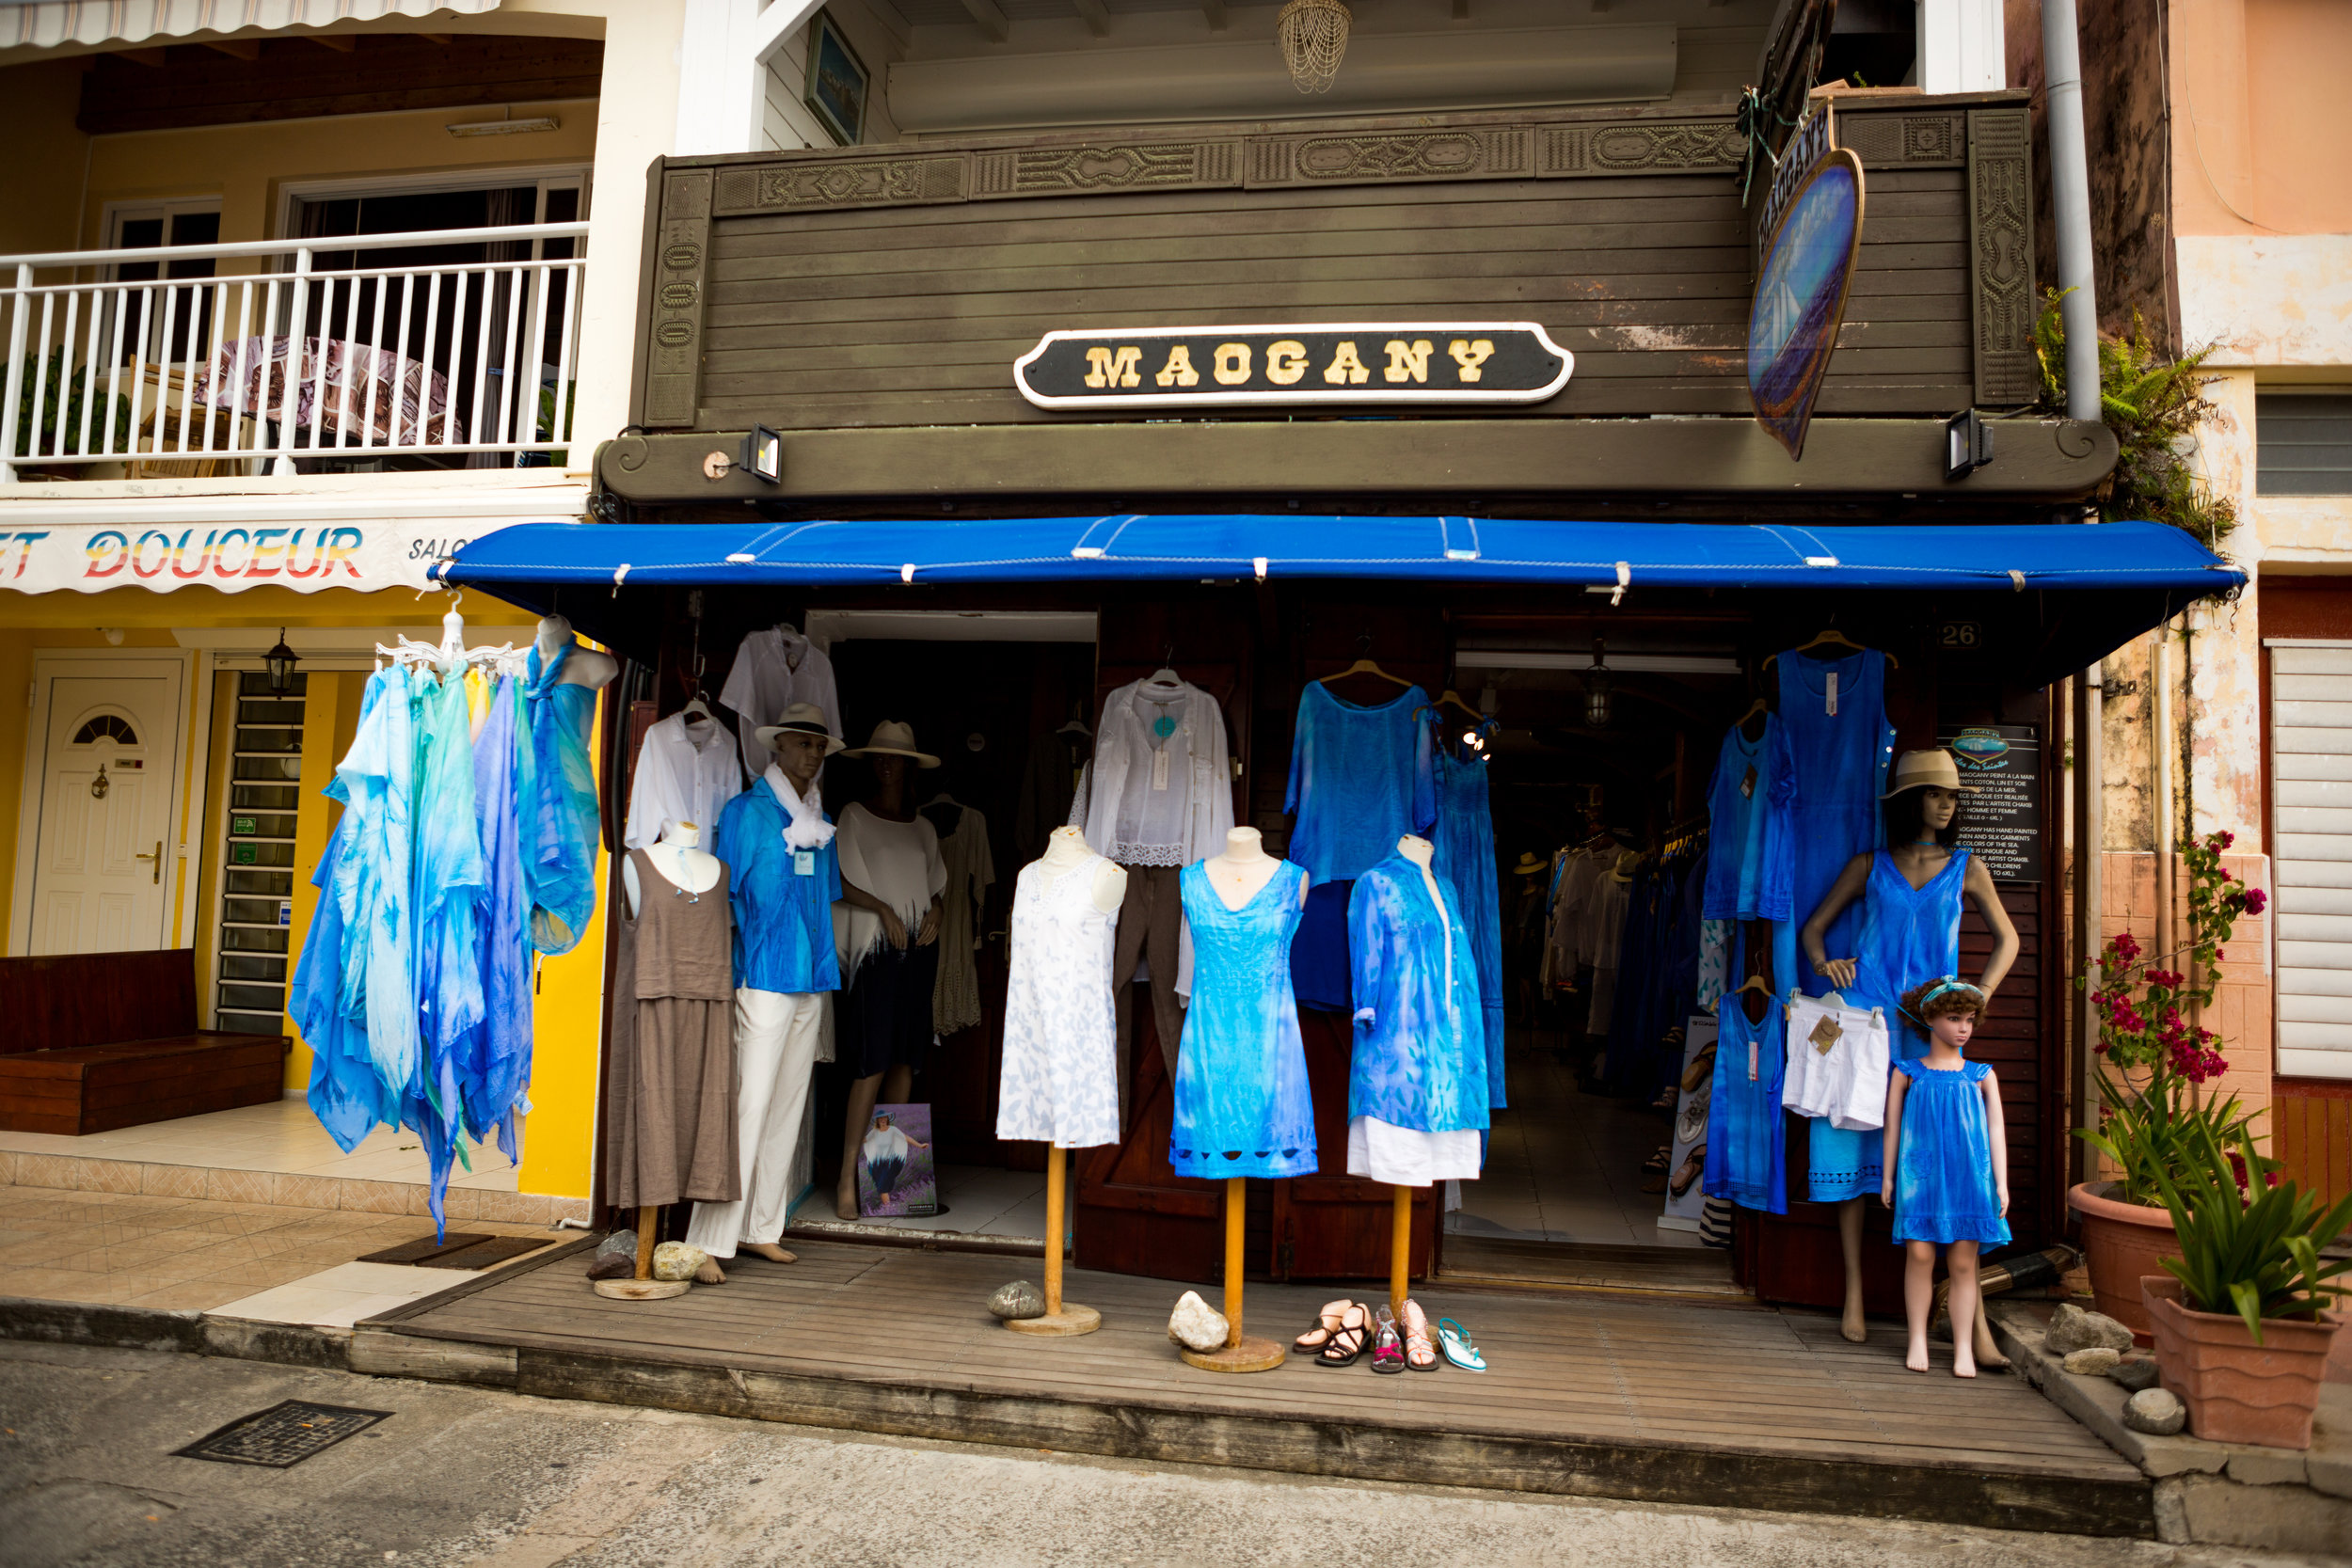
(800, 718)
(892, 739)
(1932, 769)
(1628, 862)
(1529, 864)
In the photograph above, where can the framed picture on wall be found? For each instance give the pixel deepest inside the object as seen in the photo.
(837, 81)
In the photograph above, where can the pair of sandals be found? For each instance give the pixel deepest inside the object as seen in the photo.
(1345, 1329)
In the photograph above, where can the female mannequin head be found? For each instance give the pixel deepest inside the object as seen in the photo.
(1917, 816)
(890, 778)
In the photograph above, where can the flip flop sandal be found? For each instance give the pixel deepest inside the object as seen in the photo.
(1419, 1355)
(1326, 1323)
(1455, 1341)
(1347, 1340)
(1387, 1347)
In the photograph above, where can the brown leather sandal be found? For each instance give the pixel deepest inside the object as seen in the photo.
(1327, 1320)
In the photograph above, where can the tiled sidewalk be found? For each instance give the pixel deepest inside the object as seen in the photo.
(190, 1254)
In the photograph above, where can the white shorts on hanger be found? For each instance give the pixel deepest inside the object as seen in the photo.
(1837, 1063)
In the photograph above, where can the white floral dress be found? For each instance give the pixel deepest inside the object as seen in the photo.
(1060, 1078)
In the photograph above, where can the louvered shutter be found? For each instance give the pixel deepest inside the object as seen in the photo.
(2311, 734)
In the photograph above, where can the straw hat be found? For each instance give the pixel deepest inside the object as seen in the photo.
(800, 718)
(1529, 865)
(892, 739)
(1932, 769)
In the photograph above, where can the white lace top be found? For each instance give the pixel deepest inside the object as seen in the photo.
(1161, 791)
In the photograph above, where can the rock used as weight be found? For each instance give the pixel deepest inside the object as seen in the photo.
(620, 1241)
(1196, 1325)
(613, 1265)
(678, 1261)
(2154, 1411)
(2095, 1362)
(1019, 1299)
(2138, 1374)
(2072, 1329)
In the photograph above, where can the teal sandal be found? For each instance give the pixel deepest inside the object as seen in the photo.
(1455, 1340)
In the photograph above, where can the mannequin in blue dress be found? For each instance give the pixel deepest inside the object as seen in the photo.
(1911, 893)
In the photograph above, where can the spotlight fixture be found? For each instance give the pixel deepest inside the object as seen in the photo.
(763, 454)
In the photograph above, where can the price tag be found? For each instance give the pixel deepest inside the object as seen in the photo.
(805, 863)
(1159, 768)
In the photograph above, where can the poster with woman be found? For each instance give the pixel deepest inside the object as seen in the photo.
(895, 1176)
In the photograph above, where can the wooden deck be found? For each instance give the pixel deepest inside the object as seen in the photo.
(1588, 1394)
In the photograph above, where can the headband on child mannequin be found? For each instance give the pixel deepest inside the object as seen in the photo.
(1950, 982)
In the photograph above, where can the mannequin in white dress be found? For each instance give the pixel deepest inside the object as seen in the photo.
(586, 667)
(681, 859)
(1067, 846)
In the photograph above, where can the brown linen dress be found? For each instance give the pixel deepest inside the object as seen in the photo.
(669, 1131)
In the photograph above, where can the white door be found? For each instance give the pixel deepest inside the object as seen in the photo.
(105, 858)
(2311, 742)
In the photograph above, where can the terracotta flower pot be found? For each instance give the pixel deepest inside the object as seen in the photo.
(2238, 1392)
(2122, 1243)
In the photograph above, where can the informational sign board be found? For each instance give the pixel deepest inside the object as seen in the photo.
(2000, 819)
(1801, 298)
(1326, 364)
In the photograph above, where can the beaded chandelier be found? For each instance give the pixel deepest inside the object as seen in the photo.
(1314, 35)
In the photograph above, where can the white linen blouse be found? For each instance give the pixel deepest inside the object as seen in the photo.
(1161, 788)
(686, 770)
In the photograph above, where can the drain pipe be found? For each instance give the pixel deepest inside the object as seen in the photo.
(2070, 196)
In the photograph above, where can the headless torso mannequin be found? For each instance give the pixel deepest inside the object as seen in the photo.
(1067, 847)
(1242, 871)
(1920, 861)
(586, 667)
(680, 860)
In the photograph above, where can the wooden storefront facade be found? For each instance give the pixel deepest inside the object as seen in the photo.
(868, 305)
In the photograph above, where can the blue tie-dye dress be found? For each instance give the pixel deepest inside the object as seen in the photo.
(1241, 1102)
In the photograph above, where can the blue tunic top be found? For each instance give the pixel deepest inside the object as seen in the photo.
(1421, 1038)
(558, 790)
(1908, 935)
(783, 919)
(1745, 774)
(1361, 779)
(1241, 1102)
(1944, 1187)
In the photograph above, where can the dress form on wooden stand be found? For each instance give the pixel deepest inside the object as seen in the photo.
(1422, 854)
(679, 857)
(1238, 876)
(1064, 849)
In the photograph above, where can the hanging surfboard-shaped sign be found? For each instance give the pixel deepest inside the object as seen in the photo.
(1800, 297)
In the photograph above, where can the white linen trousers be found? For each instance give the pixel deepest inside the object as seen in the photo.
(777, 1039)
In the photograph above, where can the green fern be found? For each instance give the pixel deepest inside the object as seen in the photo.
(2253, 1251)
(2154, 402)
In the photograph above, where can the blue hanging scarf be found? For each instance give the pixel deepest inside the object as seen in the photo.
(557, 789)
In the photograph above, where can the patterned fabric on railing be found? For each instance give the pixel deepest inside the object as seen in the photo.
(400, 383)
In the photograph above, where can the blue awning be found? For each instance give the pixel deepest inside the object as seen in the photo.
(1439, 550)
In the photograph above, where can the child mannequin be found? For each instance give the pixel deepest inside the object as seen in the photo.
(1947, 1155)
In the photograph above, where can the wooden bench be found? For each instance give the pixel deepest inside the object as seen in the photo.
(94, 1042)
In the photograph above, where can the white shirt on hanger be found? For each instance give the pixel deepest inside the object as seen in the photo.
(1161, 791)
(686, 770)
(774, 668)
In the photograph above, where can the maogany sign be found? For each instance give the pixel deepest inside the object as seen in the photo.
(1332, 364)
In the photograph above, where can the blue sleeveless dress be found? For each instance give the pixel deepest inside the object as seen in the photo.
(1825, 811)
(1944, 1187)
(1464, 839)
(1909, 935)
(1746, 1130)
(1241, 1101)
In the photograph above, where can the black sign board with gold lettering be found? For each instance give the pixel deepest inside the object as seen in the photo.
(1382, 362)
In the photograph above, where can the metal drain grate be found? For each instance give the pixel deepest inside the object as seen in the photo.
(283, 1435)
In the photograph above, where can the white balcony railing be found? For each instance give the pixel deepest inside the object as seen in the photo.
(450, 348)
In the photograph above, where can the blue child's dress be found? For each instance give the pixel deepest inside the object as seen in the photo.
(1241, 1102)
(1944, 1187)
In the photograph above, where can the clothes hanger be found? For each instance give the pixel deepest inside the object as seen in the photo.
(1830, 637)
(1755, 983)
(1755, 707)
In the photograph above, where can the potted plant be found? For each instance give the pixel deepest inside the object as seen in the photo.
(2241, 1320)
(2153, 1108)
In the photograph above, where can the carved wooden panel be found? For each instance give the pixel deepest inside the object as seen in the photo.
(1640, 147)
(2000, 213)
(793, 187)
(1380, 157)
(1904, 140)
(1106, 165)
(673, 323)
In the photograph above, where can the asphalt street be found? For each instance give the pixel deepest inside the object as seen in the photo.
(469, 1475)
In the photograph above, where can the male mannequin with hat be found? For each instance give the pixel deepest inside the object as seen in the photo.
(785, 873)
(1910, 933)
